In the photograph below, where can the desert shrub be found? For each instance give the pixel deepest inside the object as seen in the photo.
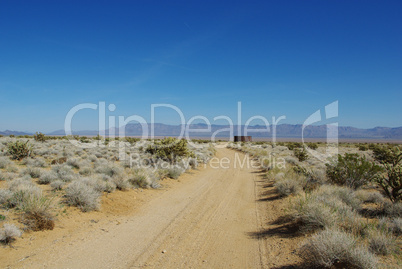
(73, 162)
(392, 210)
(4, 162)
(83, 196)
(12, 168)
(22, 192)
(64, 172)
(369, 196)
(5, 196)
(300, 154)
(332, 247)
(326, 207)
(170, 149)
(363, 147)
(391, 180)
(174, 172)
(9, 233)
(344, 194)
(193, 162)
(110, 170)
(19, 150)
(39, 137)
(312, 214)
(352, 171)
(34, 172)
(37, 214)
(59, 160)
(110, 186)
(382, 243)
(37, 162)
(121, 183)
(57, 185)
(384, 154)
(313, 146)
(86, 171)
(95, 182)
(292, 184)
(140, 178)
(395, 226)
(7, 176)
(288, 159)
(47, 177)
(161, 174)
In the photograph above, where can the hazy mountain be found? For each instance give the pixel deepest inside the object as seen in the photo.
(16, 133)
(282, 131)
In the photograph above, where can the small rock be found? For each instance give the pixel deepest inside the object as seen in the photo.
(164, 251)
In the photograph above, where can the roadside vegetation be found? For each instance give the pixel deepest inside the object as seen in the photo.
(40, 176)
(349, 206)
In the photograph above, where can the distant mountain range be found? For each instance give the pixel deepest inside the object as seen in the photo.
(282, 131)
(16, 133)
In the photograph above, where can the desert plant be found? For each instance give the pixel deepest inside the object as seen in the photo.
(313, 146)
(19, 150)
(121, 183)
(83, 196)
(5, 196)
(391, 180)
(300, 154)
(47, 177)
(37, 214)
(332, 247)
(9, 233)
(288, 186)
(4, 162)
(57, 185)
(385, 154)
(352, 171)
(174, 172)
(39, 137)
(382, 243)
(170, 149)
(140, 178)
(33, 172)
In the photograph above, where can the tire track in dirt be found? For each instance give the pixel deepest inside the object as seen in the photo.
(204, 222)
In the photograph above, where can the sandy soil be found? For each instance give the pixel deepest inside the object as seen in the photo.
(210, 218)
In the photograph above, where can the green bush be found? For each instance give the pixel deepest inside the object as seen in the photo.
(170, 149)
(352, 171)
(39, 137)
(19, 150)
(391, 180)
(385, 154)
(300, 154)
(313, 146)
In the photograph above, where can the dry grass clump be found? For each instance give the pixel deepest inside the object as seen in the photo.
(290, 184)
(37, 214)
(139, 178)
(64, 172)
(369, 196)
(9, 233)
(34, 172)
(85, 197)
(333, 248)
(47, 177)
(382, 243)
(57, 185)
(4, 162)
(328, 206)
(175, 172)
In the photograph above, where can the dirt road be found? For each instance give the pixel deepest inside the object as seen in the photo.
(204, 222)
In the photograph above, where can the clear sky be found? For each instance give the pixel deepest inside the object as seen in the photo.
(277, 57)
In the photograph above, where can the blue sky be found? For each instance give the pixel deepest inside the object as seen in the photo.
(276, 57)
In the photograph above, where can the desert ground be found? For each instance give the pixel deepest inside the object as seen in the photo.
(229, 211)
